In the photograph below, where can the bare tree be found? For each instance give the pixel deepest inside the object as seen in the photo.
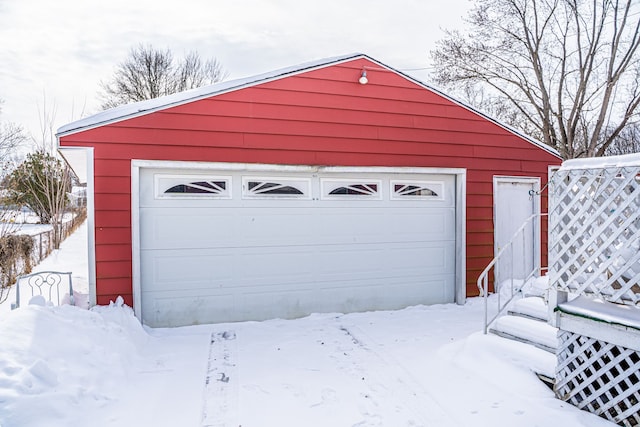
(11, 137)
(46, 141)
(627, 141)
(570, 69)
(148, 73)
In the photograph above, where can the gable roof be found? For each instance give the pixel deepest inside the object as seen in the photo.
(135, 109)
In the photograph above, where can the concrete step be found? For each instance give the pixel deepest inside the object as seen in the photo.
(526, 330)
(530, 307)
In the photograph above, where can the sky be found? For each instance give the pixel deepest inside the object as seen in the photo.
(54, 54)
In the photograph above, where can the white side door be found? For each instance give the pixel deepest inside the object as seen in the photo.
(516, 199)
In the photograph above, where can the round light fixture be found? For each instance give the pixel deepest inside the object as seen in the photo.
(363, 80)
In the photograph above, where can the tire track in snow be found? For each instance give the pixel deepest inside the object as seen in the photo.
(220, 400)
(388, 384)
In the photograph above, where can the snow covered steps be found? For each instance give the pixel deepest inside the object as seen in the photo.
(529, 331)
(527, 322)
(530, 307)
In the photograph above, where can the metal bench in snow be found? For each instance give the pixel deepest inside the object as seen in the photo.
(51, 285)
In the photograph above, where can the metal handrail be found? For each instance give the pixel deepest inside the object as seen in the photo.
(483, 279)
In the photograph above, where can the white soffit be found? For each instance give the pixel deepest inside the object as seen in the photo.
(76, 158)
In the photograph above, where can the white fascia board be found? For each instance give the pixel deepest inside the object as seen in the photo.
(91, 226)
(461, 237)
(91, 220)
(264, 167)
(135, 241)
(83, 158)
(612, 333)
(605, 311)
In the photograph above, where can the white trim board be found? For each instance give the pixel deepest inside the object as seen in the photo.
(612, 333)
(135, 241)
(91, 217)
(266, 167)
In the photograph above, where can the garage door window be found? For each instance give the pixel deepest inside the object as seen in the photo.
(172, 186)
(412, 190)
(266, 188)
(340, 189)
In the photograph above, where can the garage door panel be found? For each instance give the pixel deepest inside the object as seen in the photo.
(384, 260)
(384, 294)
(238, 267)
(169, 307)
(344, 227)
(164, 228)
(376, 224)
(178, 269)
(272, 227)
(234, 267)
(171, 228)
(427, 258)
(256, 267)
(423, 225)
(275, 227)
(287, 303)
(210, 228)
(175, 308)
(349, 262)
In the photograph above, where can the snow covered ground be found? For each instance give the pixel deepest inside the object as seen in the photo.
(25, 222)
(421, 366)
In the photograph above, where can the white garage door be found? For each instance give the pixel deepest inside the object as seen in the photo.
(218, 246)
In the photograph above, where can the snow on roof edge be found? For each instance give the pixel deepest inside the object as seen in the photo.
(126, 111)
(602, 162)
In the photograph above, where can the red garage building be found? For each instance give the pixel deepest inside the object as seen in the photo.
(338, 185)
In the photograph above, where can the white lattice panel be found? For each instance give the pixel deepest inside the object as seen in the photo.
(599, 377)
(594, 221)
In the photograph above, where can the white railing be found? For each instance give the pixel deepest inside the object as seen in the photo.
(515, 285)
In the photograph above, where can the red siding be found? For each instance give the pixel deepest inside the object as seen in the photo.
(320, 117)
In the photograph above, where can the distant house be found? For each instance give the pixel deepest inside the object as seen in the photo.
(78, 196)
(334, 186)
